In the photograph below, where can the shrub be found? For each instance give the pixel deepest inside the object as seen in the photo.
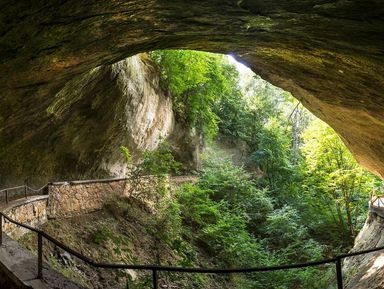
(233, 185)
(102, 234)
(156, 165)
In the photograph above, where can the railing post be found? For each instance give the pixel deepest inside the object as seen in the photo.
(370, 197)
(1, 229)
(155, 278)
(25, 191)
(6, 196)
(339, 274)
(39, 255)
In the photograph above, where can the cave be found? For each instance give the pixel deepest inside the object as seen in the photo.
(328, 54)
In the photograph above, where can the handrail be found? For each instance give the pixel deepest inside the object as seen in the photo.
(12, 188)
(37, 190)
(24, 186)
(26, 189)
(377, 198)
(163, 268)
(157, 268)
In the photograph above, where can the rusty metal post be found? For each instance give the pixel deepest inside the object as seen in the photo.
(1, 230)
(6, 196)
(155, 278)
(371, 198)
(25, 191)
(39, 256)
(339, 274)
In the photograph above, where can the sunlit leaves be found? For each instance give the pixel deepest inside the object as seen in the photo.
(334, 181)
(196, 81)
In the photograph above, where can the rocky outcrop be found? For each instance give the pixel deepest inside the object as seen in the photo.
(328, 53)
(78, 132)
(367, 271)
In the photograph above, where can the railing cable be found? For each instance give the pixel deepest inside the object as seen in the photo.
(157, 268)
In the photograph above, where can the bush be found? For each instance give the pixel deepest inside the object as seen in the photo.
(213, 224)
(154, 164)
(102, 234)
(232, 184)
(197, 208)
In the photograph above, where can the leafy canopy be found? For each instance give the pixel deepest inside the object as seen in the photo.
(196, 81)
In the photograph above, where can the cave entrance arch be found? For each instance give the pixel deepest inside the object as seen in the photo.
(327, 54)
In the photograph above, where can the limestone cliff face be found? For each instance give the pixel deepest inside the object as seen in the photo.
(367, 271)
(78, 132)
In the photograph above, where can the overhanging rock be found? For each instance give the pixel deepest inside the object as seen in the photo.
(329, 54)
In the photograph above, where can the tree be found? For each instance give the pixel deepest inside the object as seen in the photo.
(334, 182)
(153, 167)
(196, 81)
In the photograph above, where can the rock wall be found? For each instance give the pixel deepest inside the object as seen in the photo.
(65, 199)
(78, 134)
(32, 211)
(68, 199)
(80, 197)
(367, 271)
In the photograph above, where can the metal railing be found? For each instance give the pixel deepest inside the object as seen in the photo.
(155, 269)
(19, 191)
(377, 200)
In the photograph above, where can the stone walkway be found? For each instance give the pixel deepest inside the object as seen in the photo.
(18, 266)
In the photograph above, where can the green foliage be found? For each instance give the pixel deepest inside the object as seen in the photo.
(196, 206)
(283, 227)
(259, 116)
(153, 168)
(127, 155)
(233, 185)
(229, 240)
(218, 227)
(272, 154)
(148, 181)
(196, 81)
(159, 162)
(334, 183)
(287, 235)
(102, 234)
(216, 215)
(299, 196)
